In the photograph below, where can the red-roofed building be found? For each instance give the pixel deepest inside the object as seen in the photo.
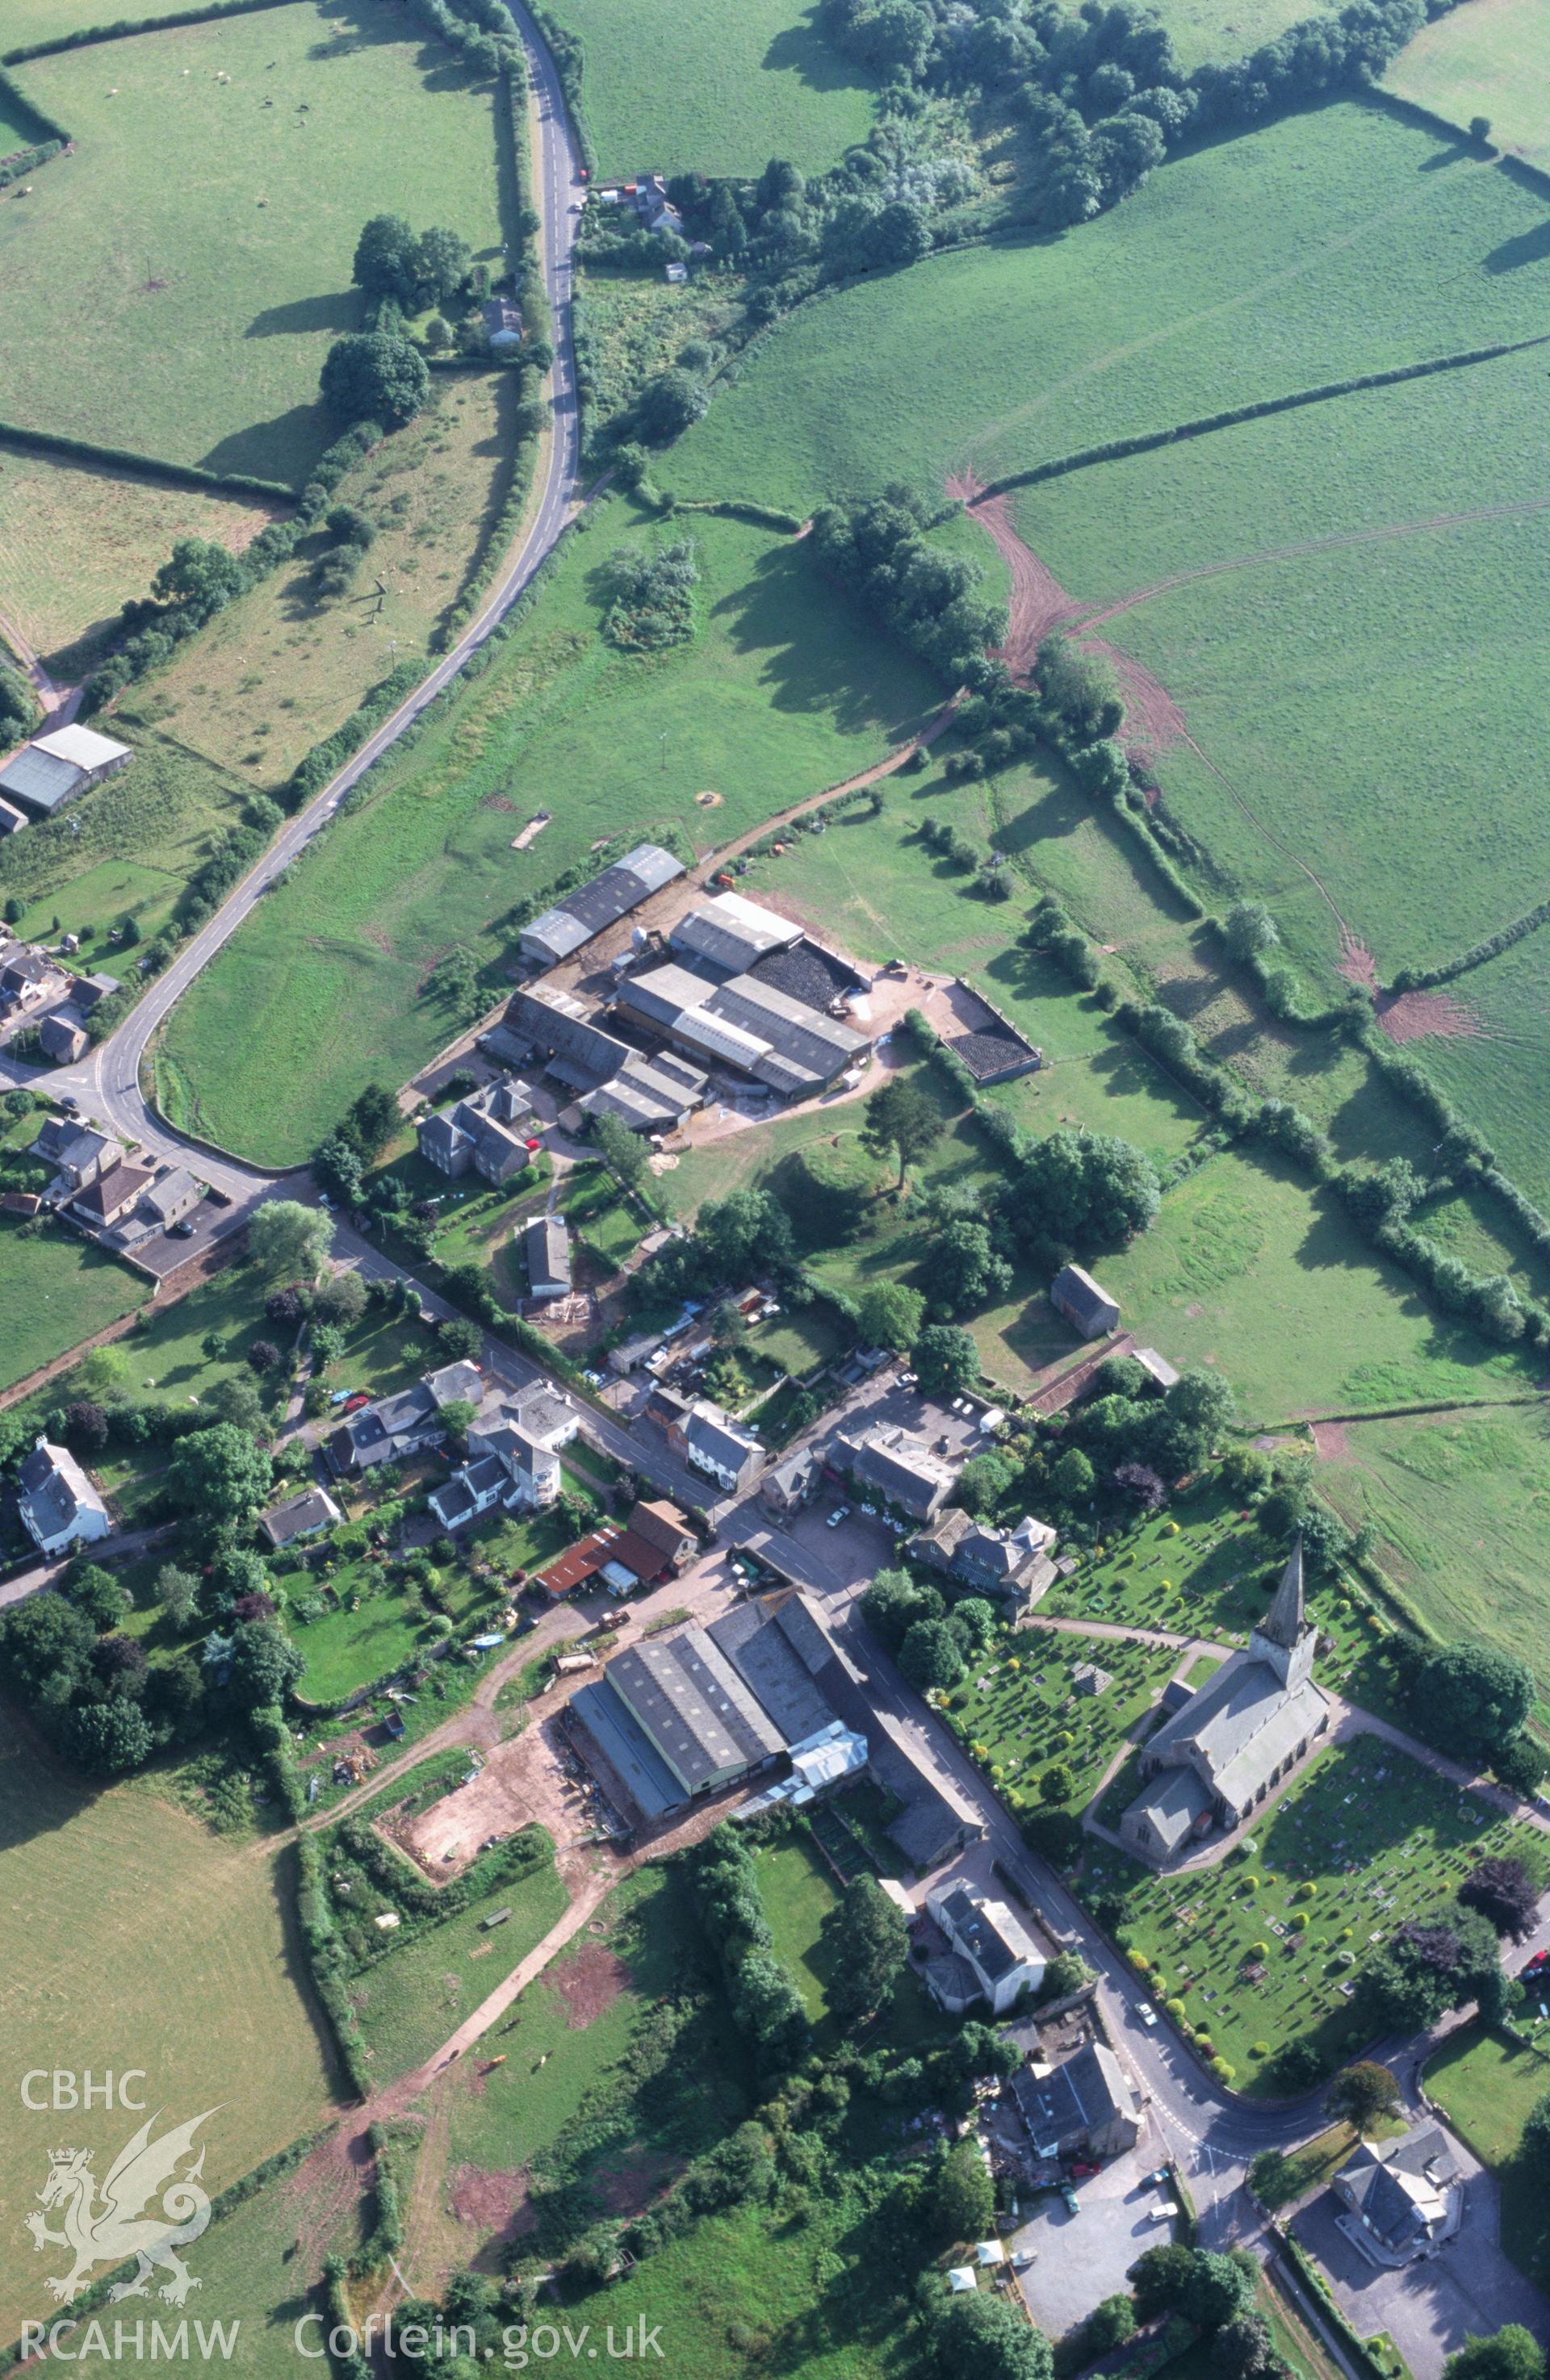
(579, 1562)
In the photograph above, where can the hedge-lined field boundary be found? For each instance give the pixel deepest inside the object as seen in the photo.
(124, 29)
(146, 467)
(1147, 441)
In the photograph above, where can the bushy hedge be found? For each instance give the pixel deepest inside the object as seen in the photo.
(22, 162)
(122, 27)
(568, 52)
(1424, 978)
(765, 2003)
(144, 466)
(327, 1963)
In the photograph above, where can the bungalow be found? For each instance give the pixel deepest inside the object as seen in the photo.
(59, 1506)
(991, 1956)
(546, 1247)
(1085, 1304)
(886, 1460)
(1014, 1564)
(299, 1517)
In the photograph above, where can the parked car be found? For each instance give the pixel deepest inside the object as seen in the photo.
(1146, 2012)
(1072, 2200)
(1084, 2167)
(1158, 2179)
(183, 1230)
(840, 1513)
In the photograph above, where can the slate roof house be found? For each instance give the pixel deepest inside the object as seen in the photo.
(1012, 1563)
(791, 1483)
(992, 1955)
(1085, 1304)
(546, 1247)
(888, 1461)
(712, 1442)
(78, 1150)
(300, 1516)
(1404, 2195)
(59, 1506)
(62, 1037)
(1219, 1754)
(1085, 2102)
(486, 1133)
(409, 1423)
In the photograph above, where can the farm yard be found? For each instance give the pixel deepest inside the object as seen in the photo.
(141, 1938)
(1361, 1810)
(786, 689)
(117, 532)
(1490, 59)
(702, 92)
(216, 291)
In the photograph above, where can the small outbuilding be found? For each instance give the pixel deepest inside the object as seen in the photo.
(1085, 1304)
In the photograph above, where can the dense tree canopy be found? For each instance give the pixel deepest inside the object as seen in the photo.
(870, 1942)
(1471, 1700)
(219, 1475)
(375, 376)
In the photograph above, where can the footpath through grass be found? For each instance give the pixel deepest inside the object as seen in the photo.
(217, 289)
(786, 688)
(704, 89)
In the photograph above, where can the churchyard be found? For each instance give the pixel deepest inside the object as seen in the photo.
(1023, 1710)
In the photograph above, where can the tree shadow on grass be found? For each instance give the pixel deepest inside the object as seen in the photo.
(1527, 248)
(807, 643)
(331, 309)
(283, 449)
(802, 50)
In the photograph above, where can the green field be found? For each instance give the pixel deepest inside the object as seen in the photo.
(1490, 59)
(55, 1290)
(1361, 1811)
(134, 1937)
(1488, 2087)
(1194, 296)
(1498, 1076)
(1224, 29)
(800, 1896)
(114, 531)
(786, 689)
(1459, 1504)
(49, 20)
(708, 90)
(278, 670)
(211, 312)
(141, 836)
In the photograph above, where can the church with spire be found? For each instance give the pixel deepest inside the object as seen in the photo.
(1219, 1751)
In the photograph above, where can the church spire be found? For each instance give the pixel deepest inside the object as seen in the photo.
(1283, 1622)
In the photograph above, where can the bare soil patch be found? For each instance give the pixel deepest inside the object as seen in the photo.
(492, 2202)
(589, 1984)
(1356, 961)
(1040, 604)
(521, 1784)
(1417, 1015)
(1330, 1441)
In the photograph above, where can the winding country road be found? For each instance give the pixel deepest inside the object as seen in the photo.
(107, 1081)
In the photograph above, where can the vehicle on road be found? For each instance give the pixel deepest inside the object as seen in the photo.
(1146, 2012)
(840, 1513)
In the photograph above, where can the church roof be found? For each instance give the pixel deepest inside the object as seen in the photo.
(1283, 1622)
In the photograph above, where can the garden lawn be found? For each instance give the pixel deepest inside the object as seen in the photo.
(1379, 1838)
(1248, 1271)
(1459, 1504)
(706, 91)
(217, 290)
(1299, 253)
(346, 1649)
(76, 543)
(798, 1897)
(55, 1290)
(1488, 2087)
(411, 1999)
(142, 837)
(141, 1938)
(1021, 1712)
(278, 670)
(786, 689)
(1490, 59)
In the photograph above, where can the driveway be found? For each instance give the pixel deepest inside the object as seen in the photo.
(1469, 2290)
(1082, 2259)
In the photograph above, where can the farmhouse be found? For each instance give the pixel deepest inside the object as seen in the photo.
(504, 1467)
(991, 1957)
(59, 1506)
(299, 1517)
(1220, 1753)
(487, 1133)
(890, 1462)
(114, 1194)
(657, 1541)
(567, 928)
(57, 767)
(1084, 2104)
(744, 1024)
(1088, 1307)
(546, 1247)
(1403, 2195)
(1013, 1563)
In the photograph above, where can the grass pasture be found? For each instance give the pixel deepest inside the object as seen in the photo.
(217, 289)
(708, 90)
(1498, 1076)
(1221, 30)
(76, 543)
(1188, 298)
(278, 670)
(1490, 59)
(55, 1291)
(786, 689)
(137, 1938)
(1362, 1822)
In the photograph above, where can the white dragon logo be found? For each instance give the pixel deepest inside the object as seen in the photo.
(119, 2227)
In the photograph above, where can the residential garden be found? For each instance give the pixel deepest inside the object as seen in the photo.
(1488, 2083)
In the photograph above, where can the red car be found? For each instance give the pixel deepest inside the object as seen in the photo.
(353, 1404)
(1084, 2169)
